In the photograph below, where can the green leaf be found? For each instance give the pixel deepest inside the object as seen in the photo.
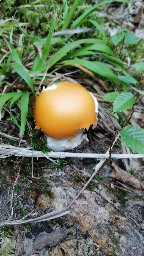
(16, 56)
(70, 14)
(123, 102)
(99, 27)
(65, 9)
(115, 61)
(139, 67)
(95, 66)
(133, 137)
(100, 47)
(24, 110)
(38, 65)
(116, 39)
(127, 79)
(65, 49)
(47, 46)
(24, 74)
(15, 98)
(80, 52)
(111, 96)
(79, 20)
(5, 97)
(130, 38)
(137, 90)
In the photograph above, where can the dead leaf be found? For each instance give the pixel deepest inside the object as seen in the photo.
(121, 175)
(69, 247)
(56, 252)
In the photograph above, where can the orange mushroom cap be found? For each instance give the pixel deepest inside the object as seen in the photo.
(64, 108)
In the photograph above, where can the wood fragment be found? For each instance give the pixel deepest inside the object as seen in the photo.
(121, 175)
(51, 239)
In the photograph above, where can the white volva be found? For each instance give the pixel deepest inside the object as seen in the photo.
(72, 142)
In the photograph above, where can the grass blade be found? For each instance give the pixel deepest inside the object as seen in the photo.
(79, 20)
(47, 46)
(24, 74)
(95, 66)
(65, 49)
(100, 47)
(99, 28)
(15, 98)
(16, 56)
(112, 60)
(24, 110)
(93, 49)
(70, 14)
(5, 97)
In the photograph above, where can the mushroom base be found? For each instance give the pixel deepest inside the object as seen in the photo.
(67, 143)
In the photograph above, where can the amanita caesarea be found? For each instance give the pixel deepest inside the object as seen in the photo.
(63, 111)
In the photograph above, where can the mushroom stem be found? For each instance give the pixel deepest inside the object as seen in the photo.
(66, 143)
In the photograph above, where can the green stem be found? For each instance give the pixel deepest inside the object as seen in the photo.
(70, 14)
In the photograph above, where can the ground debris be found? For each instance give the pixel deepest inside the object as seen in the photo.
(51, 239)
(121, 175)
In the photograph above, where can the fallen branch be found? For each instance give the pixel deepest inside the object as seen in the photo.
(8, 150)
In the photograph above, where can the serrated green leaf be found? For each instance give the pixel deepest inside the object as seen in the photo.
(127, 79)
(24, 74)
(133, 137)
(24, 110)
(123, 102)
(139, 67)
(137, 90)
(95, 66)
(5, 97)
(111, 96)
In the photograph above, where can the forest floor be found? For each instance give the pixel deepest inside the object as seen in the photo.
(107, 217)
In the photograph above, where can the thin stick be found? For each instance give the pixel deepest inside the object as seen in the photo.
(12, 194)
(48, 216)
(8, 150)
(10, 137)
(97, 168)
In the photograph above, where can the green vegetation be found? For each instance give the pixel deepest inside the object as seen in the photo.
(31, 53)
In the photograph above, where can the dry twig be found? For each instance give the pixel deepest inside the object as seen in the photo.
(8, 150)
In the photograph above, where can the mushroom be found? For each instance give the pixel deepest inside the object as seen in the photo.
(63, 111)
